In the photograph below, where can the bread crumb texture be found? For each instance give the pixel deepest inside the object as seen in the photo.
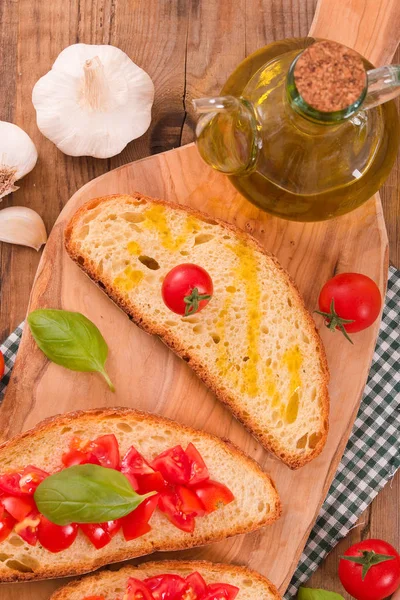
(255, 345)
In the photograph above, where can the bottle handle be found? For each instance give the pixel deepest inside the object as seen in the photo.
(227, 134)
(383, 85)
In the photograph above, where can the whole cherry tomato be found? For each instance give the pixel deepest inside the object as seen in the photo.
(187, 289)
(370, 570)
(349, 302)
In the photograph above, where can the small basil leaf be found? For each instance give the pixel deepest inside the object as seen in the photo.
(86, 494)
(69, 339)
(314, 594)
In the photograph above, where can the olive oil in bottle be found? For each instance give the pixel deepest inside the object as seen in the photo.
(303, 129)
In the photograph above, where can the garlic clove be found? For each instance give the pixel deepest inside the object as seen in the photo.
(22, 225)
(18, 156)
(94, 101)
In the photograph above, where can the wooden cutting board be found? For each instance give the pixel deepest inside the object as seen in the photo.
(150, 377)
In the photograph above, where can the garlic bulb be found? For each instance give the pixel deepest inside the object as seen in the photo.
(21, 225)
(18, 156)
(94, 101)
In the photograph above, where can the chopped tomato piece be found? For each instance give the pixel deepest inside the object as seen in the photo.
(137, 522)
(221, 591)
(133, 462)
(189, 503)
(196, 586)
(18, 507)
(133, 481)
(6, 525)
(137, 590)
(30, 478)
(102, 451)
(170, 505)
(56, 537)
(141, 475)
(198, 469)
(106, 450)
(173, 465)
(9, 484)
(167, 587)
(154, 482)
(28, 528)
(101, 534)
(113, 527)
(213, 495)
(78, 457)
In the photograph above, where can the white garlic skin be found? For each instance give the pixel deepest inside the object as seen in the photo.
(23, 226)
(18, 156)
(81, 127)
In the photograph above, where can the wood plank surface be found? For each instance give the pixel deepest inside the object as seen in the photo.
(188, 48)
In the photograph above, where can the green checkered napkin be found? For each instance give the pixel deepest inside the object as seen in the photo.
(372, 455)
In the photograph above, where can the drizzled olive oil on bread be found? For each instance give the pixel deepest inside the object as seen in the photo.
(255, 345)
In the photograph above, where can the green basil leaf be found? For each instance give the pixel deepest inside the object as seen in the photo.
(69, 339)
(86, 494)
(314, 594)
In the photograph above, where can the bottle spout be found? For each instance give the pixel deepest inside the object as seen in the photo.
(383, 85)
(227, 134)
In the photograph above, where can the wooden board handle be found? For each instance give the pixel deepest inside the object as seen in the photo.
(369, 26)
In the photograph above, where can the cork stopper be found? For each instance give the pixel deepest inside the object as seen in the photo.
(330, 76)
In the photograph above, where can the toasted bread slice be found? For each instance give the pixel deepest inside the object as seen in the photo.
(255, 345)
(256, 500)
(109, 584)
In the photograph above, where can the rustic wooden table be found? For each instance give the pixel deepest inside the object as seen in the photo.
(188, 47)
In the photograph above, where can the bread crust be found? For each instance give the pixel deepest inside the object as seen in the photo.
(169, 565)
(98, 415)
(290, 459)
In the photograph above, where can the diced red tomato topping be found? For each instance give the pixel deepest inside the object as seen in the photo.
(213, 495)
(102, 451)
(198, 469)
(56, 538)
(18, 507)
(28, 528)
(174, 587)
(6, 525)
(9, 484)
(154, 482)
(137, 522)
(188, 502)
(173, 465)
(78, 457)
(221, 591)
(133, 462)
(30, 478)
(137, 590)
(180, 478)
(101, 534)
(106, 450)
(142, 476)
(22, 483)
(196, 586)
(166, 587)
(171, 506)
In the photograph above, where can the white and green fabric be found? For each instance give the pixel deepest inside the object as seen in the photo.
(372, 455)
